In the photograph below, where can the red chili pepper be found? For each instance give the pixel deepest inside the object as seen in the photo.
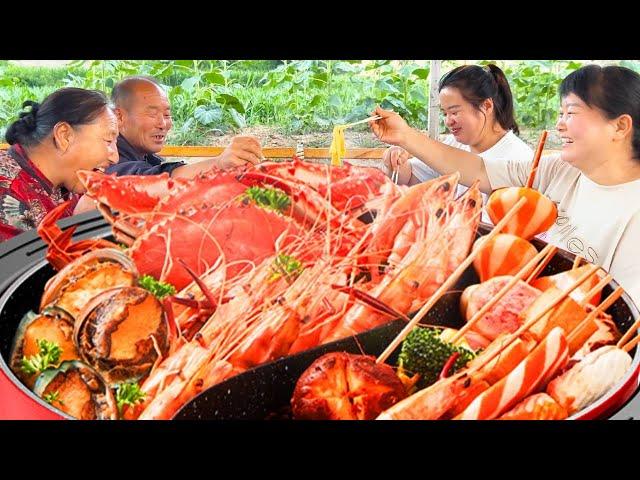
(448, 365)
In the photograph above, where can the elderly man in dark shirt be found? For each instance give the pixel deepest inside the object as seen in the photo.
(144, 120)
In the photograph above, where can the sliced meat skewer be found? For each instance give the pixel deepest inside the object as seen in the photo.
(601, 284)
(589, 379)
(536, 318)
(582, 331)
(523, 271)
(435, 401)
(447, 284)
(533, 373)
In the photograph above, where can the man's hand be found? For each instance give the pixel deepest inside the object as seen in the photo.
(241, 150)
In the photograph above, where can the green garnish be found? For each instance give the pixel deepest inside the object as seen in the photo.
(48, 356)
(425, 353)
(158, 288)
(270, 198)
(287, 266)
(53, 397)
(128, 393)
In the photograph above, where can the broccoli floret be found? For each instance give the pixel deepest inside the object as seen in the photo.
(423, 352)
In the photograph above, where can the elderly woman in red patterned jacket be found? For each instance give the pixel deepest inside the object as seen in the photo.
(72, 129)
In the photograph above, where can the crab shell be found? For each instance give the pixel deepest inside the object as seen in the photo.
(84, 278)
(121, 333)
(347, 187)
(129, 194)
(200, 234)
(81, 391)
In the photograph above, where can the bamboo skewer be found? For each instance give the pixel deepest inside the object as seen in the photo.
(629, 346)
(498, 296)
(448, 283)
(633, 328)
(542, 265)
(617, 293)
(535, 319)
(576, 262)
(601, 284)
(536, 159)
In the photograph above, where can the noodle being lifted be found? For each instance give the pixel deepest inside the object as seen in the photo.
(337, 149)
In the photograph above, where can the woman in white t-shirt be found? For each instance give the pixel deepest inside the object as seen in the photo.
(595, 181)
(478, 108)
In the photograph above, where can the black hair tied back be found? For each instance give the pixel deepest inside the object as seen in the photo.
(29, 118)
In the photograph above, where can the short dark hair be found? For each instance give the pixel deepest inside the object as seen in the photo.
(122, 91)
(613, 90)
(75, 106)
(476, 84)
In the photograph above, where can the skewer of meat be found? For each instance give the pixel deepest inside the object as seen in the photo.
(529, 323)
(540, 366)
(443, 396)
(589, 379)
(529, 376)
(498, 296)
(539, 213)
(595, 290)
(539, 406)
(447, 284)
(587, 327)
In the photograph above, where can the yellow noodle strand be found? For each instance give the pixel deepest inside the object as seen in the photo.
(337, 150)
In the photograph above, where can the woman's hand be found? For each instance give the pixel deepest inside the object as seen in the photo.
(396, 158)
(391, 128)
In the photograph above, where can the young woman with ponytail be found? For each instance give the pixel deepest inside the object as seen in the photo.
(595, 180)
(478, 108)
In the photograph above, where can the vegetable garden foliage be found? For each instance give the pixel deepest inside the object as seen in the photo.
(211, 98)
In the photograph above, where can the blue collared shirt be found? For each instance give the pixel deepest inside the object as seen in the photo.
(133, 162)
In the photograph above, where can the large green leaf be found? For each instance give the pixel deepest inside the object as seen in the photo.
(214, 77)
(208, 115)
(188, 84)
(386, 86)
(238, 118)
(231, 101)
(334, 101)
(421, 73)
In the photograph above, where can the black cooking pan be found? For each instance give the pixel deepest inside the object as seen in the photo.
(263, 392)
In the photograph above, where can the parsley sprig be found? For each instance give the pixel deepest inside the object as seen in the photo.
(158, 288)
(128, 393)
(48, 356)
(270, 198)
